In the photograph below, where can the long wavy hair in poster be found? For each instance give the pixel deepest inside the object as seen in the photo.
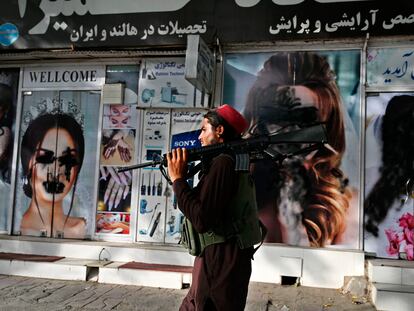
(308, 199)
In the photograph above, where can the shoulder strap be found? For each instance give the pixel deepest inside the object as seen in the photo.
(264, 232)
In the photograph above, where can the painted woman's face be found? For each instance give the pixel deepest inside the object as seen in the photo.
(290, 108)
(54, 166)
(119, 115)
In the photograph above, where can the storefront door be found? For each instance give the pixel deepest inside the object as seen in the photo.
(56, 186)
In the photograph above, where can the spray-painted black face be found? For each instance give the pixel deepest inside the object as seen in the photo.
(53, 185)
(285, 116)
(67, 159)
(286, 108)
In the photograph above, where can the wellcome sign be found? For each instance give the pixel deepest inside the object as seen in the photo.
(88, 76)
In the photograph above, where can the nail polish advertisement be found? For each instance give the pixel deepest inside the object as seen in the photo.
(114, 190)
(113, 223)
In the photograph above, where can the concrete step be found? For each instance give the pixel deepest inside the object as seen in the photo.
(391, 271)
(392, 297)
(126, 273)
(141, 274)
(61, 269)
(316, 267)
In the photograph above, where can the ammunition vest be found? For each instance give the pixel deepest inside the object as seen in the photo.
(244, 224)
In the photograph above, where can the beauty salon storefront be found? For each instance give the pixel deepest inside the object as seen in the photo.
(87, 89)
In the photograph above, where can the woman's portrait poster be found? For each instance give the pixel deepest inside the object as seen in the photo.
(389, 184)
(310, 199)
(57, 164)
(9, 79)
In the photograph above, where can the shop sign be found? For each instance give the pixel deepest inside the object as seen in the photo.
(199, 64)
(68, 76)
(72, 24)
(162, 84)
(390, 67)
(188, 140)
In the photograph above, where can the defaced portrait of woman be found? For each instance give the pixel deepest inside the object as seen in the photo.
(389, 178)
(306, 200)
(52, 152)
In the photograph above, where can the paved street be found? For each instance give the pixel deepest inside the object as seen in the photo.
(22, 293)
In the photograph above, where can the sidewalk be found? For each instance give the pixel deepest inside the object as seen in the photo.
(22, 293)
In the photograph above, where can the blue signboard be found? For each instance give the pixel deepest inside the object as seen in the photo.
(188, 140)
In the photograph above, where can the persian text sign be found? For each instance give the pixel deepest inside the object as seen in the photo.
(390, 67)
(132, 23)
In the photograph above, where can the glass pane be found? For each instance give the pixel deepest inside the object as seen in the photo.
(389, 185)
(57, 164)
(118, 149)
(86, 104)
(309, 199)
(9, 79)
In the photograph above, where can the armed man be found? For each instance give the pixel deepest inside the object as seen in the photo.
(221, 224)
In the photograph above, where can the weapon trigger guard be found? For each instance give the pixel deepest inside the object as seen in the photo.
(165, 174)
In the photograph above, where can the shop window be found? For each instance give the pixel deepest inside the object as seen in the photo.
(168, 116)
(9, 79)
(57, 162)
(118, 148)
(302, 201)
(389, 184)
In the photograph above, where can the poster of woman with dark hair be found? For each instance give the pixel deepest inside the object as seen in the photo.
(389, 176)
(52, 152)
(8, 97)
(57, 165)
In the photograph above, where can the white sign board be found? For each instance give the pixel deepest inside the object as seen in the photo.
(162, 84)
(64, 76)
(199, 64)
(390, 67)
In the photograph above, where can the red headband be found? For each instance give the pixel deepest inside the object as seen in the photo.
(233, 118)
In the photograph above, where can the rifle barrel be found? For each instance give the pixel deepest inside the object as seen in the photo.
(308, 135)
(141, 165)
(315, 134)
